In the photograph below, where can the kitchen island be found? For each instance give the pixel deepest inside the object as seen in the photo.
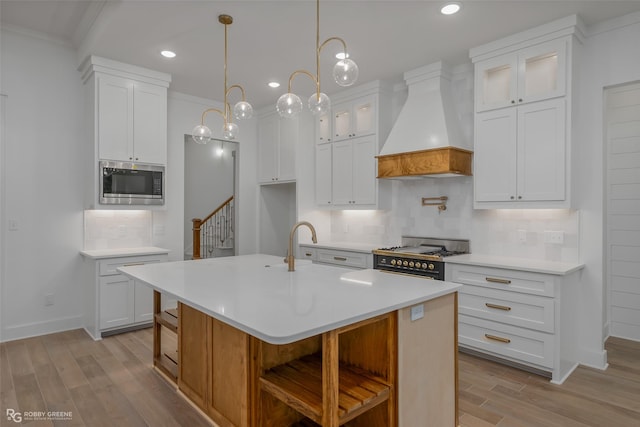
(261, 346)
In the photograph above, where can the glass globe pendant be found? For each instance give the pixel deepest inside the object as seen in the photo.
(243, 110)
(230, 131)
(319, 104)
(201, 134)
(289, 105)
(345, 72)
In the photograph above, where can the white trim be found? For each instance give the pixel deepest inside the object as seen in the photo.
(3, 225)
(44, 327)
(36, 34)
(613, 24)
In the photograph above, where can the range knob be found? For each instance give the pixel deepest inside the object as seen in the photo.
(424, 265)
(393, 262)
(431, 266)
(411, 264)
(405, 263)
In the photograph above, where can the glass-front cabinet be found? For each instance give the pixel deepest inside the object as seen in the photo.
(529, 75)
(356, 118)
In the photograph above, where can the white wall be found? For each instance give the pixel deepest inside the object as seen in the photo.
(184, 112)
(43, 192)
(42, 187)
(611, 57)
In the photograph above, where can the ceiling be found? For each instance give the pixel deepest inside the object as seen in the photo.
(270, 39)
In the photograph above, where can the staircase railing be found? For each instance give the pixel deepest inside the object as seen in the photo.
(214, 232)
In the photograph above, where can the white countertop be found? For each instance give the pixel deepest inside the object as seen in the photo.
(256, 293)
(115, 253)
(343, 246)
(524, 264)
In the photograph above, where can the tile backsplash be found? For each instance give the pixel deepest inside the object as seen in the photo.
(502, 232)
(116, 229)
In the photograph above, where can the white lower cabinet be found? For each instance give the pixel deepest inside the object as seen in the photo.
(117, 302)
(335, 256)
(520, 317)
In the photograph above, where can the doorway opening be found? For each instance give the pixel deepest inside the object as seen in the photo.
(209, 181)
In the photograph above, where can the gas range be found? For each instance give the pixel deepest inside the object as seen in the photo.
(421, 256)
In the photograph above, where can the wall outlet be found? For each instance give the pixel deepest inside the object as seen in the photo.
(417, 312)
(522, 236)
(48, 299)
(554, 237)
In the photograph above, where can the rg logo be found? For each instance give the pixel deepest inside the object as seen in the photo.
(14, 416)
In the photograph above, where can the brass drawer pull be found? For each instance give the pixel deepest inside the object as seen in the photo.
(133, 263)
(339, 258)
(499, 307)
(496, 280)
(308, 254)
(495, 338)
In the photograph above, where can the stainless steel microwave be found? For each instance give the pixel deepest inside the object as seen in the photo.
(123, 183)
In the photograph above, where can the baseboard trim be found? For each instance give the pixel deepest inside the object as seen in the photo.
(45, 327)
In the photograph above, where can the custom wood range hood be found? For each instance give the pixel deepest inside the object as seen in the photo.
(426, 140)
(445, 161)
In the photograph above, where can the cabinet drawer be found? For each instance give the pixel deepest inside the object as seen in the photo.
(503, 279)
(529, 311)
(346, 258)
(518, 344)
(107, 267)
(307, 253)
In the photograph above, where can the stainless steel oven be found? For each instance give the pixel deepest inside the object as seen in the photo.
(419, 256)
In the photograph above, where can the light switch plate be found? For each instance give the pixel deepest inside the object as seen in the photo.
(417, 312)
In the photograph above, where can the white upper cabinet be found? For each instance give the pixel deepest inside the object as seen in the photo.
(276, 149)
(126, 119)
(324, 128)
(355, 118)
(520, 153)
(528, 75)
(132, 120)
(346, 164)
(523, 99)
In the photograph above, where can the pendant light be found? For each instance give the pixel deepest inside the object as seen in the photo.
(242, 110)
(345, 73)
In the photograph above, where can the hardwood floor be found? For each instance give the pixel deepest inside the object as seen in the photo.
(498, 395)
(110, 382)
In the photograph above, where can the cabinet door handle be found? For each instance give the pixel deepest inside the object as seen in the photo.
(339, 258)
(496, 280)
(308, 254)
(520, 100)
(133, 263)
(513, 101)
(495, 338)
(499, 307)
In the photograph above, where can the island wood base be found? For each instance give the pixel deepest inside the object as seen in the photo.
(384, 371)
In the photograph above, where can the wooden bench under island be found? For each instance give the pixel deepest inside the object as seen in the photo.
(261, 346)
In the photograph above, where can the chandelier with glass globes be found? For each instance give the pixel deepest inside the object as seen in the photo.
(345, 73)
(242, 110)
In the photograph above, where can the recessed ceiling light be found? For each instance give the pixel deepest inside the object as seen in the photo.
(450, 9)
(274, 84)
(341, 55)
(168, 54)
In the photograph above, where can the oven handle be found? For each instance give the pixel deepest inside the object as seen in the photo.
(406, 274)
